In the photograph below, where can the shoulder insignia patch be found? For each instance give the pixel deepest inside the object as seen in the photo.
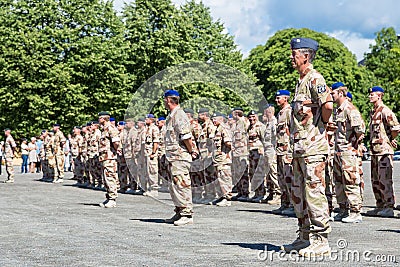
(321, 88)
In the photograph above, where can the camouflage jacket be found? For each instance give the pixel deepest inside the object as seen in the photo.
(76, 145)
(152, 135)
(283, 144)
(59, 142)
(9, 146)
(109, 135)
(382, 122)
(256, 133)
(222, 151)
(240, 138)
(306, 126)
(93, 144)
(269, 140)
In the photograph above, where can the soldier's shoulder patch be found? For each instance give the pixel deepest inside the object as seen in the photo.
(321, 88)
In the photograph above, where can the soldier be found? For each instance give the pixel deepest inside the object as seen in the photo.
(222, 160)
(256, 133)
(179, 154)
(121, 161)
(269, 142)
(152, 134)
(240, 155)
(349, 133)
(93, 156)
(162, 161)
(50, 155)
(138, 149)
(76, 146)
(130, 155)
(349, 96)
(204, 165)
(42, 156)
(384, 129)
(59, 142)
(86, 132)
(312, 108)
(9, 149)
(108, 146)
(284, 152)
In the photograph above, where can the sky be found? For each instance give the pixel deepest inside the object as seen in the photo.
(353, 22)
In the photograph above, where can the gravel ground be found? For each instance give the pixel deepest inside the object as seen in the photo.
(45, 224)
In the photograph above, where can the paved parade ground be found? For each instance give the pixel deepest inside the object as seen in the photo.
(45, 224)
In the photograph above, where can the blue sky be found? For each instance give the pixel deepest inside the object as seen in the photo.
(353, 22)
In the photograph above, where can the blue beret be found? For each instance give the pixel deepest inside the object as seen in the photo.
(56, 125)
(150, 116)
(104, 113)
(218, 114)
(230, 116)
(349, 95)
(283, 92)
(161, 119)
(188, 110)
(297, 43)
(121, 123)
(203, 110)
(376, 89)
(171, 93)
(112, 119)
(252, 112)
(337, 85)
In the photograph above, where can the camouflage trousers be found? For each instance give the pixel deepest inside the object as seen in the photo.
(79, 169)
(123, 173)
(51, 166)
(131, 163)
(141, 171)
(361, 172)
(59, 168)
(308, 194)
(347, 182)
(285, 177)
(96, 177)
(109, 170)
(10, 168)
(180, 187)
(151, 173)
(204, 178)
(45, 168)
(265, 176)
(329, 181)
(240, 175)
(382, 180)
(224, 180)
(162, 170)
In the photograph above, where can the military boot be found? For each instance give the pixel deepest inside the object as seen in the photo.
(302, 241)
(354, 217)
(319, 246)
(386, 212)
(343, 213)
(374, 212)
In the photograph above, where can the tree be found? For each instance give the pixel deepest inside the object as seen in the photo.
(272, 66)
(384, 62)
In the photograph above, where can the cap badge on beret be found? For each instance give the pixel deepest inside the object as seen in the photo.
(376, 89)
(283, 92)
(337, 85)
(252, 112)
(237, 108)
(297, 43)
(150, 116)
(161, 119)
(121, 123)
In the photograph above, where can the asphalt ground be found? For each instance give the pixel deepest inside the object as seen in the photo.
(45, 224)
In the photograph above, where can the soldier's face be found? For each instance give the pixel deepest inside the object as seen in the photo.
(335, 95)
(161, 123)
(202, 116)
(252, 119)
(298, 59)
(374, 97)
(280, 100)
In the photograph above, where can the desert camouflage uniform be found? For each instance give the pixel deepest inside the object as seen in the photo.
(108, 159)
(284, 155)
(121, 162)
(43, 161)
(207, 174)
(59, 142)
(310, 149)
(222, 160)
(9, 146)
(130, 153)
(197, 167)
(240, 157)
(347, 177)
(162, 161)
(85, 162)
(51, 160)
(256, 134)
(383, 122)
(76, 146)
(329, 174)
(152, 135)
(93, 158)
(179, 159)
(140, 157)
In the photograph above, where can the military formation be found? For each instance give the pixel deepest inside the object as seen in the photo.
(299, 157)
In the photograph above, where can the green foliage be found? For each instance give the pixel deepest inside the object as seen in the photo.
(272, 66)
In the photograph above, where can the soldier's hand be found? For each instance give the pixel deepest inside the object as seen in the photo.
(194, 155)
(394, 143)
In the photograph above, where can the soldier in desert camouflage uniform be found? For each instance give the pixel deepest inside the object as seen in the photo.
(9, 148)
(138, 149)
(42, 156)
(240, 155)
(162, 161)
(76, 147)
(121, 161)
(284, 152)
(50, 157)
(129, 150)
(151, 138)
(222, 160)
(108, 146)
(312, 109)
(349, 132)
(178, 149)
(384, 129)
(59, 143)
(93, 155)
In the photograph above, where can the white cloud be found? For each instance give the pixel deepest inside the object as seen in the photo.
(357, 44)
